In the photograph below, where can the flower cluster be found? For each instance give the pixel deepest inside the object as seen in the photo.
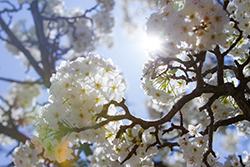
(78, 92)
(161, 88)
(21, 102)
(196, 25)
(135, 140)
(24, 95)
(27, 156)
(86, 34)
(239, 11)
(193, 149)
(233, 160)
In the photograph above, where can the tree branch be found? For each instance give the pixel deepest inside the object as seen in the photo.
(13, 133)
(21, 82)
(44, 45)
(19, 45)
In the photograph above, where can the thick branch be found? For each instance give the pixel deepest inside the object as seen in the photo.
(178, 105)
(220, 66)
(13, 133)
(228, 121)
(43, 43)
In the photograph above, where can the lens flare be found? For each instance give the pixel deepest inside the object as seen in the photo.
(151, 44)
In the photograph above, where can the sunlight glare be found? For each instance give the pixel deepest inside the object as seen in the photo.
(151, 44)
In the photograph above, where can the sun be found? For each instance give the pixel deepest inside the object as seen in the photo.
(151, 43)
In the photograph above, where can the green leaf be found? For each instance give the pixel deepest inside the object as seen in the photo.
(172, 71)
(86, 148)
